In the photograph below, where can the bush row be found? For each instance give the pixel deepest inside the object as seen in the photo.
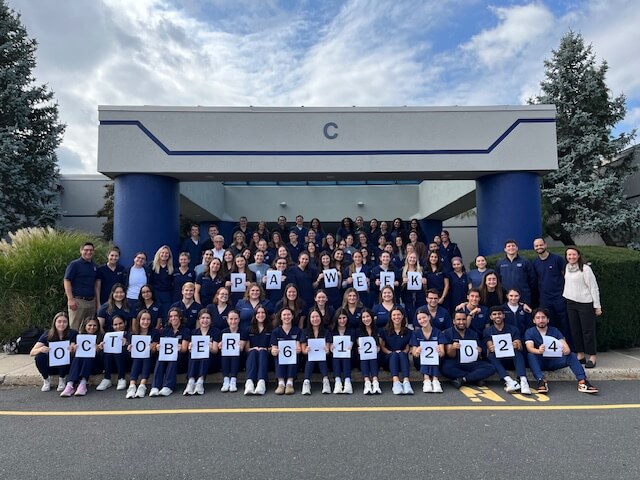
(32, 265)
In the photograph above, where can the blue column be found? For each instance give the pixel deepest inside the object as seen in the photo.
(508, 207)
(430, 228)
(146, 214)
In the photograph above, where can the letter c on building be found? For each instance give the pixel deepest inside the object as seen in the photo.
(326, 128)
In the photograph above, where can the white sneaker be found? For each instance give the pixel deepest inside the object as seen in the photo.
(131, 391)
(375, 387)
(233, 384)
(406, 388)
(199, 389)
(337, 388)
(225, 384)
(61, 384)
(141, 391)
(104, 384)
(249, 387)
(437, 387)
(326, 385)
(397, 388)
(524, 386)
(261, 388)
(154, 392)
(348, 388)
(427, 386)
(367, 387)
(190, 389)
(46, 385)
(511, 386)
(165, 391)
(122, 384)
(306, 387)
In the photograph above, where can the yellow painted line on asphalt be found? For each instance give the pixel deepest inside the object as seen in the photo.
(423, 408)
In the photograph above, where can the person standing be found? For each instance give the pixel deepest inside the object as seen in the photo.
(516, 272)
(80, 287)
(583, 305)
(549, 268)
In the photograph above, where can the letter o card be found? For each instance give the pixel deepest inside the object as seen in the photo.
(414, 281)
(168, 349)
(200, 346)
(367, 348)
(429, 353)
(468, 351)
(238, 282)
(287, 352)
(59, 353)
(85, 346)
(140, 346)
(230, 345)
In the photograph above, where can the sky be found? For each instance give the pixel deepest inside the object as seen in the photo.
(312, 53)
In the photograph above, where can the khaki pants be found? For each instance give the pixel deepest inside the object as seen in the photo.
(86, 309)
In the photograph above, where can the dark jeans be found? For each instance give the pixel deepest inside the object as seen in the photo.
(582, 320)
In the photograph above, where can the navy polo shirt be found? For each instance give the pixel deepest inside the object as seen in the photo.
(82, 275)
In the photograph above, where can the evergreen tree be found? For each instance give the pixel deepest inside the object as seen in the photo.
(30, 132)
(107, 211)
(586, 193)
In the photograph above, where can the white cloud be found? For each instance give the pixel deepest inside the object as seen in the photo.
(520, 28)
(361, 52)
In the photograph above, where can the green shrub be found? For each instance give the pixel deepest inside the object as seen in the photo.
(32, 266)
(618, 273)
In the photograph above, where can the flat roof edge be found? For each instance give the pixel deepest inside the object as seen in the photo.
(252, 109)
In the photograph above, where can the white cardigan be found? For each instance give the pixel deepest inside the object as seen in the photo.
(581, 286)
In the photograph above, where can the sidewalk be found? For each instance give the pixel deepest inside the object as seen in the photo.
(18, 370)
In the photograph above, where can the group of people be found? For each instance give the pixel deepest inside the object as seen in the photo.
(366, 297)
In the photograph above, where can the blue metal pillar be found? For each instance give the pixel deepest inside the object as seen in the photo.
(508, 208)
(430, 228)
(146, 214)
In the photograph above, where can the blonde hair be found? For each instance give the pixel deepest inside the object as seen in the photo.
(155, 266)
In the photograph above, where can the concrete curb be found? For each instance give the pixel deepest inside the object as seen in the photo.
(19, 370)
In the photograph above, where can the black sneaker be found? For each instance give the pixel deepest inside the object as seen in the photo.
(543, 386)
(585, 387)
(457, 382)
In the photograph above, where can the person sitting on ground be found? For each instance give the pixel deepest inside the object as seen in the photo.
(538, 362)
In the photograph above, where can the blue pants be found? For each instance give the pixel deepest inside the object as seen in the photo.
(165, 375)
(431, 370)
(472, 372)
(141, 368)
(198, 367)
(230, 366)
(310, 367)
(538, 363)
(516, 362)
(117, 360)
(286, 371)
(341, 367)
(257, 365)
(397, 363)
(42, 364)
(369, 368)
(81, 369)
(164, 301)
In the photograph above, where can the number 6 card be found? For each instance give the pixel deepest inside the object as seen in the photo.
(287, 352)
